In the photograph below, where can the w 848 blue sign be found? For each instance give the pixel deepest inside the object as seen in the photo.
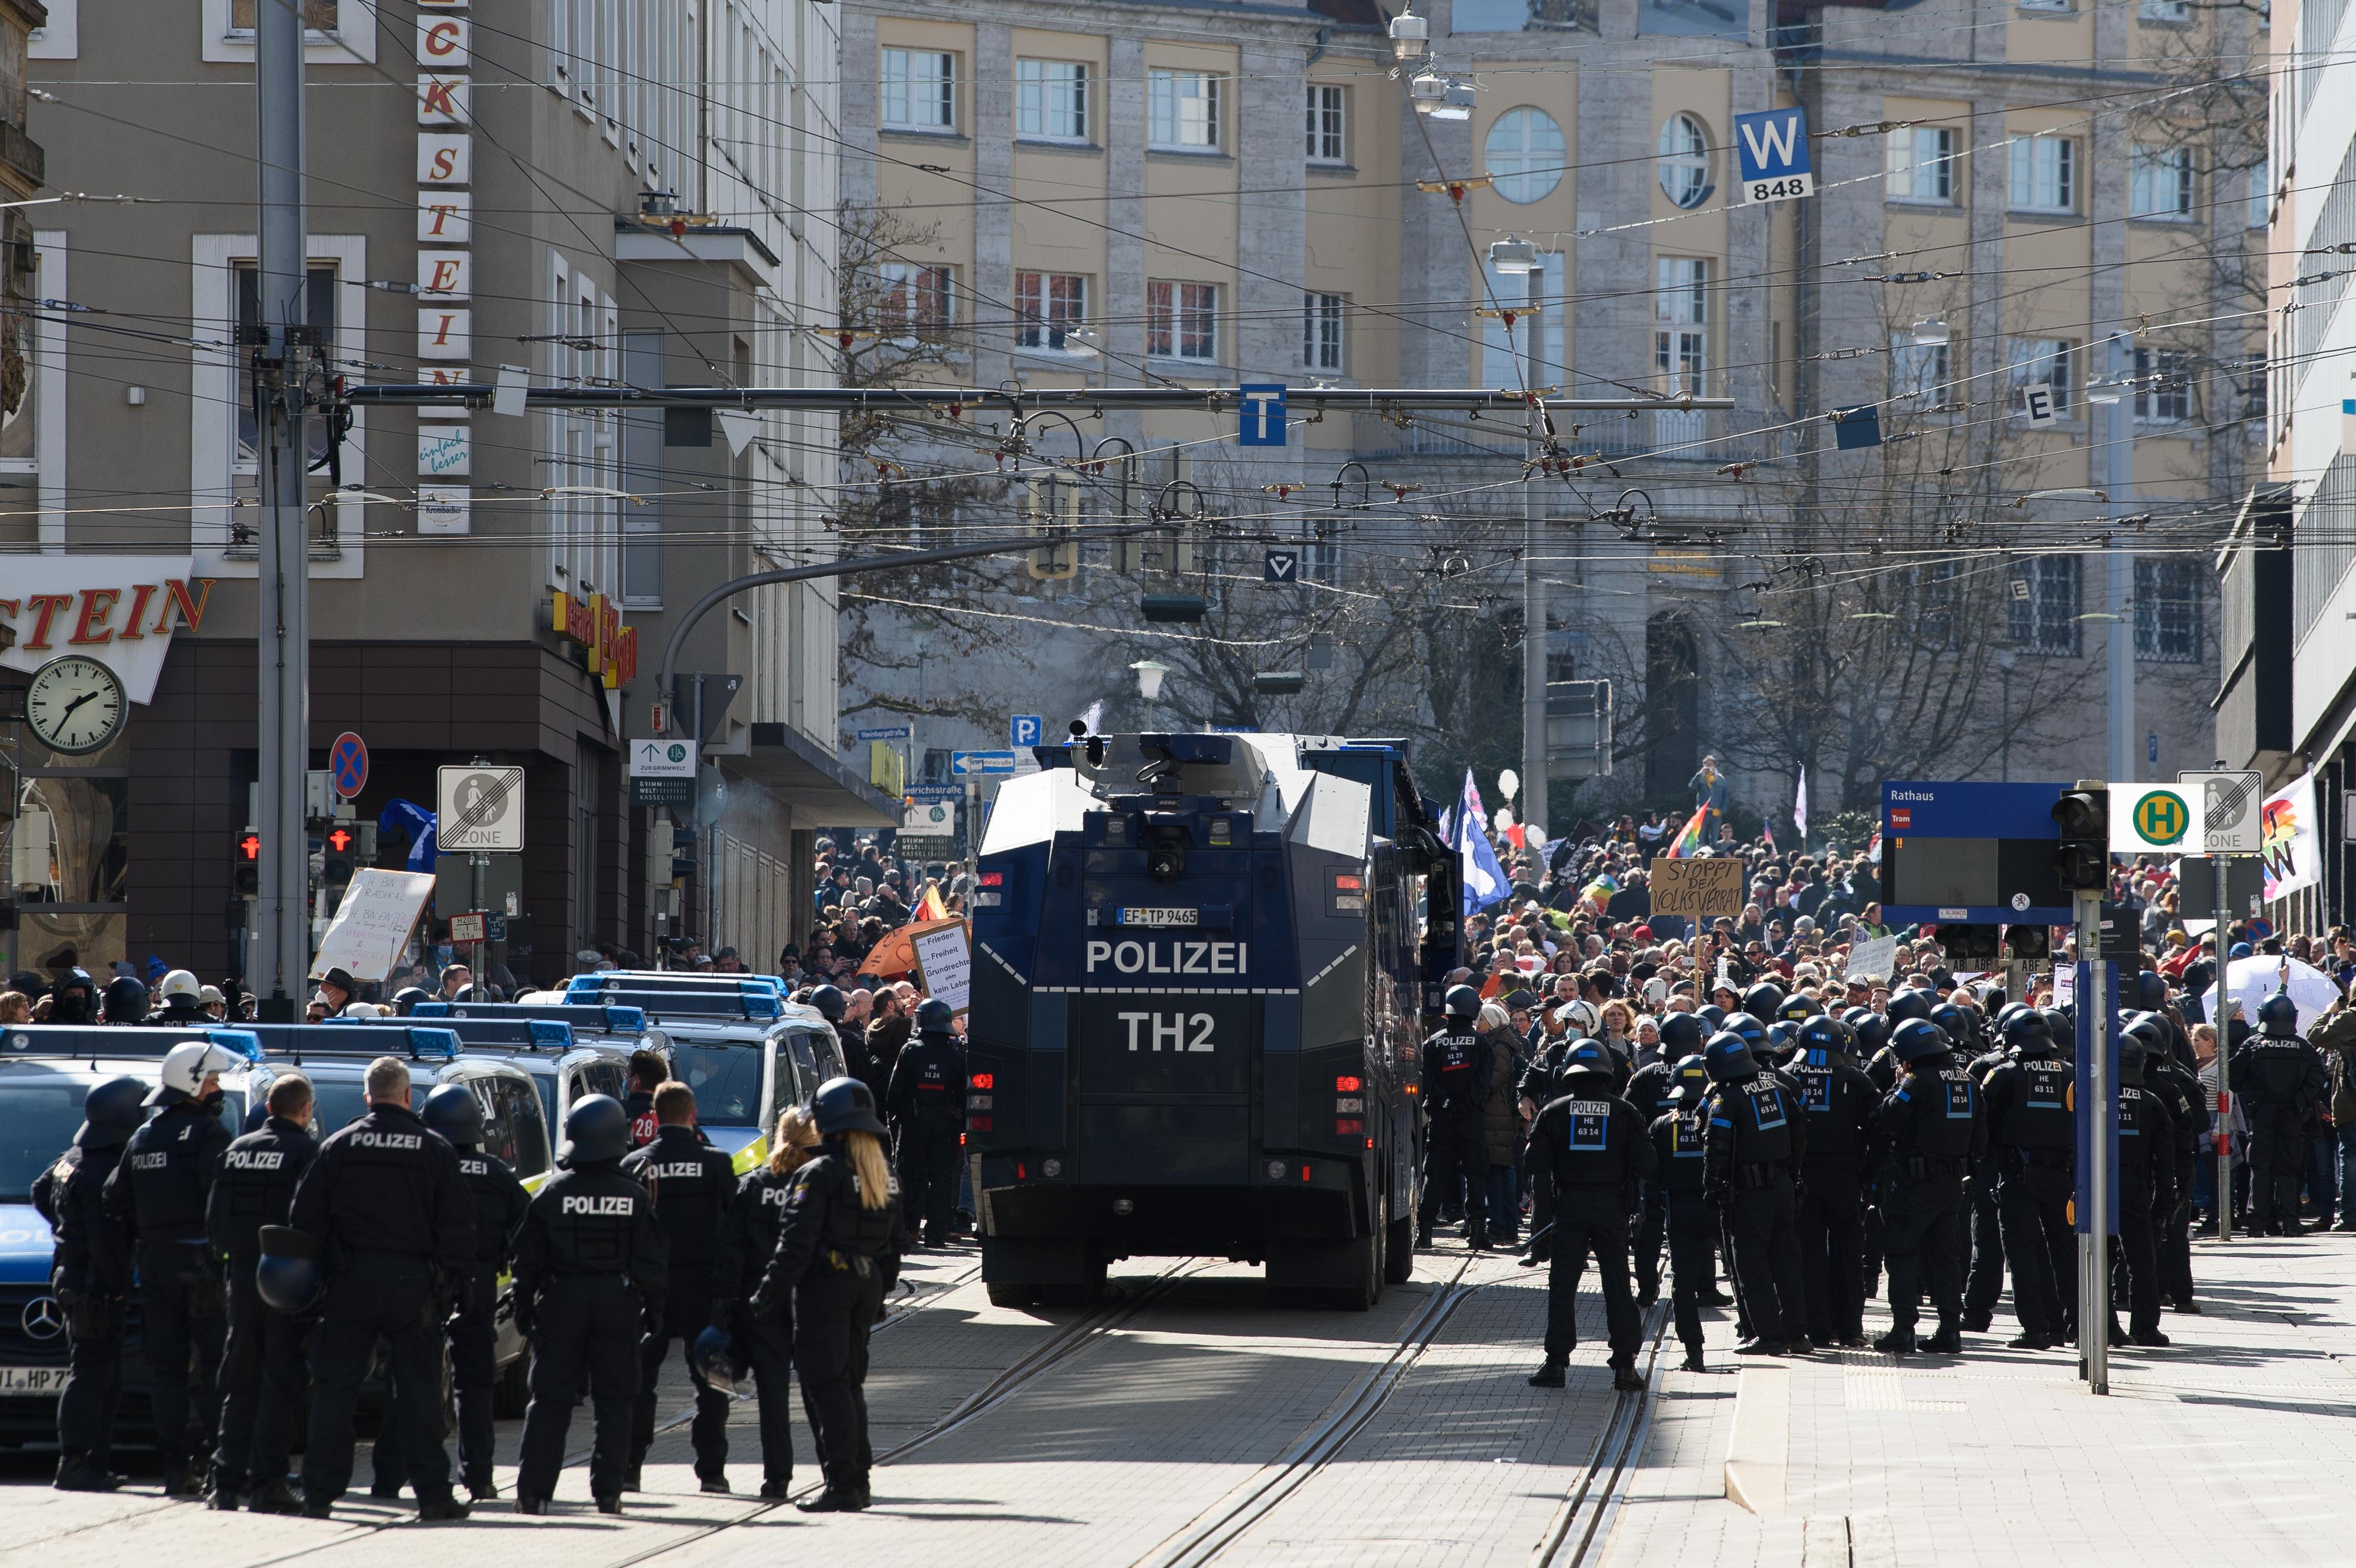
(1772, 148)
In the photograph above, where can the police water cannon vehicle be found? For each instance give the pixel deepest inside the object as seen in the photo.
(1198, 993)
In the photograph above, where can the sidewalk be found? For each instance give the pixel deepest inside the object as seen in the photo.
(2234, 1444)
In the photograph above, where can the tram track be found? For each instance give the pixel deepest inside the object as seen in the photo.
(1583, 1524)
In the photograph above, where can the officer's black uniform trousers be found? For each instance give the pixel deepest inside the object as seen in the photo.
(1693, 1243)
(261, 1381)
(587, 1323)
(2033, 1206)
(1985, 1282)
(1922, 1235)
(472, 1333)
(687, 1312)
(2279, 1151)
(834, 1307)
(371, 1297)
(1591, 1218)
(769, 1349)
(1456, 1144)
(1762, 1223)
(180, 1320)
(926, 1159)
(93, 1391)
(1831, 1227)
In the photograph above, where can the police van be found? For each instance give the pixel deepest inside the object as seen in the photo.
(47, 1070)
(746, 1051)
(564, 1066)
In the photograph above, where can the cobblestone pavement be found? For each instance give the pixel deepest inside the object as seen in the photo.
(1195, 1394)
(2234, 1443)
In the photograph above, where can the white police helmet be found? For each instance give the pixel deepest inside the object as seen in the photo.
(180, 983)
(187, 1064)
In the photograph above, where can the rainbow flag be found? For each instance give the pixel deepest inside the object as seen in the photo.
(1688, 839)
(1600, 890)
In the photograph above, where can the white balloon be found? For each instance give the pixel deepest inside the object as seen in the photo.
(1509, 783)
(1501, 820)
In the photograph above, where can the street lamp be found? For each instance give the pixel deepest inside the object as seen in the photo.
(1511, 257)
(1410, 35)
(1150, 675)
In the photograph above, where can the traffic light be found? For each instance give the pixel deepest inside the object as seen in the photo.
(248, 867)
(2028, 943)
(2082, 862)
(1052, 506)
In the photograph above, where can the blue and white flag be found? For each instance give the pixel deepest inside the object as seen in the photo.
(1484, 879)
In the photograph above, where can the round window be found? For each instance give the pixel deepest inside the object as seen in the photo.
(1685, 160)
(1526, 154)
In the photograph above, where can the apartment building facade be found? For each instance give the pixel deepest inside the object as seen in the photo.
(594, 191)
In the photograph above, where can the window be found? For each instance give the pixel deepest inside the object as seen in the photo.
(2159, 181)
(1525, 154)
(1182, 321)
(1051, 100)
(2043, 177)
(319, 306)
(1921, 163)
(1680, 323)
(919, 90)
(2044, 604)
(2261, 195)
(912, 297)
(1685, 160)
(1321, 331)
(2168, 13)
(2168, 610)
(1182, 110)
(2039, 362)
(1918, 373)
(2163, 393)
(1326, 142)
(2061, 7)
(319, 18)
(1047, 305)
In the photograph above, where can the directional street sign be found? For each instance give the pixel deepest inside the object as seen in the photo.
(1280, 565)
(969, 765)
(930, 820)
(1263, 415)
(347, 761)
(1025, 729)
(887, 733)
(479, 810)
(662, 758)
(2229, 804)
(1773, 148)
(935, 791)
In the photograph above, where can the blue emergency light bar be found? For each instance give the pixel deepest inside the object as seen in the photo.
(340, 1039)
(602, 1019)
(734, 1003)
(117, 1040)
(539, 1034)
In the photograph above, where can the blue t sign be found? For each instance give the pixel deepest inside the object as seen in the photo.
(1263, 415)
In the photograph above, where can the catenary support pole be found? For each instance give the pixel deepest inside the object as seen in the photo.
(282, 361)
(2118, 564)
(1534, 789)
(2095, 1244)
(2225, 1123)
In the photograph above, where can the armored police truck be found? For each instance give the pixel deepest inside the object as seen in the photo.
(1198, 992)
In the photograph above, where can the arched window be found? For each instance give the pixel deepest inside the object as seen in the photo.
(1525, 154)
(1685, 160)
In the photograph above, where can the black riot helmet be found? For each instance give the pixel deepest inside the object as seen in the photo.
(596, 1128)
(2005, 1014)
(1918, 1039)
(1689, 1079)
(720, 1361)
(111, 1112)
(73, 1000)
(2151, 991)
(1798, 1008)
(1462, 1002)
(1763, 1000)
(2059, 1025)
(405, 1001)
(1910, 1003)
(1753, 1032)
(845, 1105)
(2278, 1015)
(1869, 1028)
(2133, 1053)
(830, 1001)
(1590, 1060)
(1954, 1023)
(1712, 1016)
(935, 1016)
(288, 1277)
(126, 1000)
(2151, 1029)
(1728, 1058)
(1682, 1034)
(1825, 1034)
(453, 1110)
(2025, 1030)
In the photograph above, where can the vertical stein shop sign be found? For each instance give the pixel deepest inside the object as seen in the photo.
(445, 266)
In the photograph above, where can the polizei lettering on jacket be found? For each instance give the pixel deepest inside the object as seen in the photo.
(683, 1170)
(1169, 957)
(388, 1140)
(254, 1158)
(617, 1206)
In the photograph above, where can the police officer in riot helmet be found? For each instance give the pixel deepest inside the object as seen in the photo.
(124, 1001)
(2148, 1174)
(1935, 1129)
(2279, 1078)
(591, 1267)
(2186, 1103)
(389, 1213)
(184, 1003)
(838, 1247)
(1910, 1004)
(73, 998)
(765, 1344)
(1984, 1279)
(91, 1267)
(1648, 1091)
(1589, 1146)
(405, 1001)
(1680, 1155)
(262, 1370)
(1763, 1000)
(2032, 1135)
(498, 1201)
(1837, 1100)
(1755, 1144)
(1455, 1086)
(830, 1001)
(693, 1185)
(926, 1108)
(158, 1196)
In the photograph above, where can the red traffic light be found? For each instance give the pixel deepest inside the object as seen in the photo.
(250, 845)
(339, 841)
